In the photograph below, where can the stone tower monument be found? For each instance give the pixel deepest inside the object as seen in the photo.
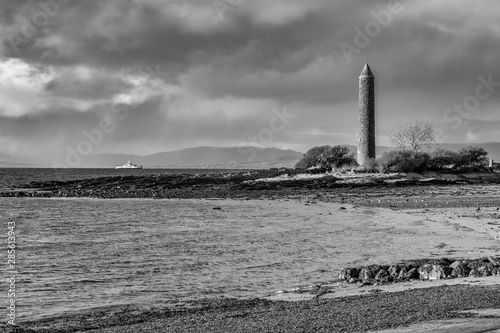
(366, 131)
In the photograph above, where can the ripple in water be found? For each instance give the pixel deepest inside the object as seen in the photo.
(75, 254)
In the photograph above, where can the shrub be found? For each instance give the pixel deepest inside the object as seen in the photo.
(338, 156)
(466, 159)
(326, 157)
(443, 158)
(473, 158)
(404, 161)
(312, 157)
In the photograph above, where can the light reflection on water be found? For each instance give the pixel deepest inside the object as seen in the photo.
(79, 253)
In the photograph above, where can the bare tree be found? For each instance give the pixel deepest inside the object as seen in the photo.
(414, 134)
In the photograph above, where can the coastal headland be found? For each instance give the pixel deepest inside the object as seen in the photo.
(377, 190)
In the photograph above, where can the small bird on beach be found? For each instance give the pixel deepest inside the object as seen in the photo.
(478, 208)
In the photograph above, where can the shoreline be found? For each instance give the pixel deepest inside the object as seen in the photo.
(372, 311)
(396, 191)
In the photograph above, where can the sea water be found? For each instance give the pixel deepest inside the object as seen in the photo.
(15, 177)
(74, 254)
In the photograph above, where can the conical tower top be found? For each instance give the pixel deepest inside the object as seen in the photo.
(367, 72)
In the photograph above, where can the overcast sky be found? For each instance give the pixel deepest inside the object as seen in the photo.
(162, 75)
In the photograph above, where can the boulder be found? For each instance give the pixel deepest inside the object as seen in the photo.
(460, 269)
(383, 276)
(407, 273)
(473, 273)
(475, 264)
(424, 271)
(486, 269)
(369, 272)
(394, 271)
(439, 272)
(349, 273)
(402, 273)
(494, 261)
(434, 272)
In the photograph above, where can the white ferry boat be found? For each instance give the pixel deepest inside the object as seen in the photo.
(128, 165)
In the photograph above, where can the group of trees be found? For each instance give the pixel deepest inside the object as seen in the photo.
(409, 139)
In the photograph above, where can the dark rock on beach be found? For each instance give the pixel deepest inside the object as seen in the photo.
(460, 269)
(349, 273)
(423, 269)
(394, 271)
(408, 273)
(434, 272)
(383, 276)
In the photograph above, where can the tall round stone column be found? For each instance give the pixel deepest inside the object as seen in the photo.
(366, 132)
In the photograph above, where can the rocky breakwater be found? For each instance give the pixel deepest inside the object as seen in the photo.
(423, 269)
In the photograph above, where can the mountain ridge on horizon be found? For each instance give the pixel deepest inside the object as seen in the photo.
(206, 156)
(214, 157)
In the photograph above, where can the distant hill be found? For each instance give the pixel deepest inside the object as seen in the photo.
(202, 157)
(8, 161)
(234, 157)
(214, 157)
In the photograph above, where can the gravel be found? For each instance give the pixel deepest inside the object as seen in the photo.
(347, 314)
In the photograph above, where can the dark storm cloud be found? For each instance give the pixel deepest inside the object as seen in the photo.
(131, 34)
(111, 33)
(430, 53)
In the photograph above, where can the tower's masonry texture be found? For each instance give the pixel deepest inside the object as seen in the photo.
(366, 132)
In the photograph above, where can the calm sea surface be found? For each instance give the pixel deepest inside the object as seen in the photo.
(75, 254)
